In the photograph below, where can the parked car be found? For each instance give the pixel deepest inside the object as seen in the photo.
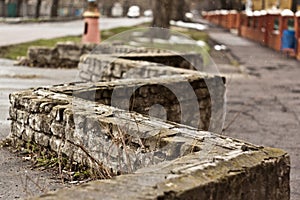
(133, 12)
(117, 10)
(148, 13)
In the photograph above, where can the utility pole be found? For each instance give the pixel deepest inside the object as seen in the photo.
(54, 8)
(38, 8)
(263, 4)
(25, 8)
(162, 13)
(2, 3)
(294, 6)
(19, 5)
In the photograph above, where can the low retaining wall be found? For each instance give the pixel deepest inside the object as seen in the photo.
(67, 54)
(94, 67)
(185, 98)
(256, 173)
(63, 55)
(115, 128)
(168, 160)
(185, 61)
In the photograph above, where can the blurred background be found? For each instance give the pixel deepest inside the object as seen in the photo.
(119, 8)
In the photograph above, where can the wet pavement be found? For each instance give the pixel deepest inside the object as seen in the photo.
(264, 100)
(17, 179)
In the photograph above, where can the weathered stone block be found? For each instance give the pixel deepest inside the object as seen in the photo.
(258, 174)
(62, 55)
(166, 160)
(57, 129)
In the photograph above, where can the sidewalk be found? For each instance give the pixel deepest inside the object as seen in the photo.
(17, 178)
(264, 101)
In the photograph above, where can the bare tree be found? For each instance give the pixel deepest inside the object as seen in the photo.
(125, 7)
(162, 11)
(178, 11)
(54, 8)
(19, 4)
(263, 4)
(38, 8)
(3, 7)
(294, 5)
(227, 4)
(233, 4)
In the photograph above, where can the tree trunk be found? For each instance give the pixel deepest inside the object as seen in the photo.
(178, 11)
(227, 4)
(19, 4)
(38, 8)
(223, 4)
(25, 8)
(263, 4)
(54, 8)
(239, 5)
(162, 13)
(3, 8)
(294, 5)
(125, 7)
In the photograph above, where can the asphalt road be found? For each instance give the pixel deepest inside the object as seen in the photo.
(14, 78)
(19, 33)
(263, 105)
(17, 179)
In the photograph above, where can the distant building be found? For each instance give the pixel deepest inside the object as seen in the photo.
(208, 5)
(10, 8)
(272, 4)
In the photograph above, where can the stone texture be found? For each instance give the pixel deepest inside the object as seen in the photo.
(106, 126)
(166, 160)
(63, 55)
(261, 173)
(74, 114)
(99, 67)
(67, 54)
(185, 61)
(186, 98)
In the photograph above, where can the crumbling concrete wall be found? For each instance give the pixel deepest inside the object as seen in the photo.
(133, 95)
(252, 173)
(168, 160)
(67, 54)
(63, 55)
(95, 67)
(209, 93)
(46, 115)
(192, 61)
(92, 123)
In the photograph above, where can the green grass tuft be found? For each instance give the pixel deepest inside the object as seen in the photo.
(18, 50)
